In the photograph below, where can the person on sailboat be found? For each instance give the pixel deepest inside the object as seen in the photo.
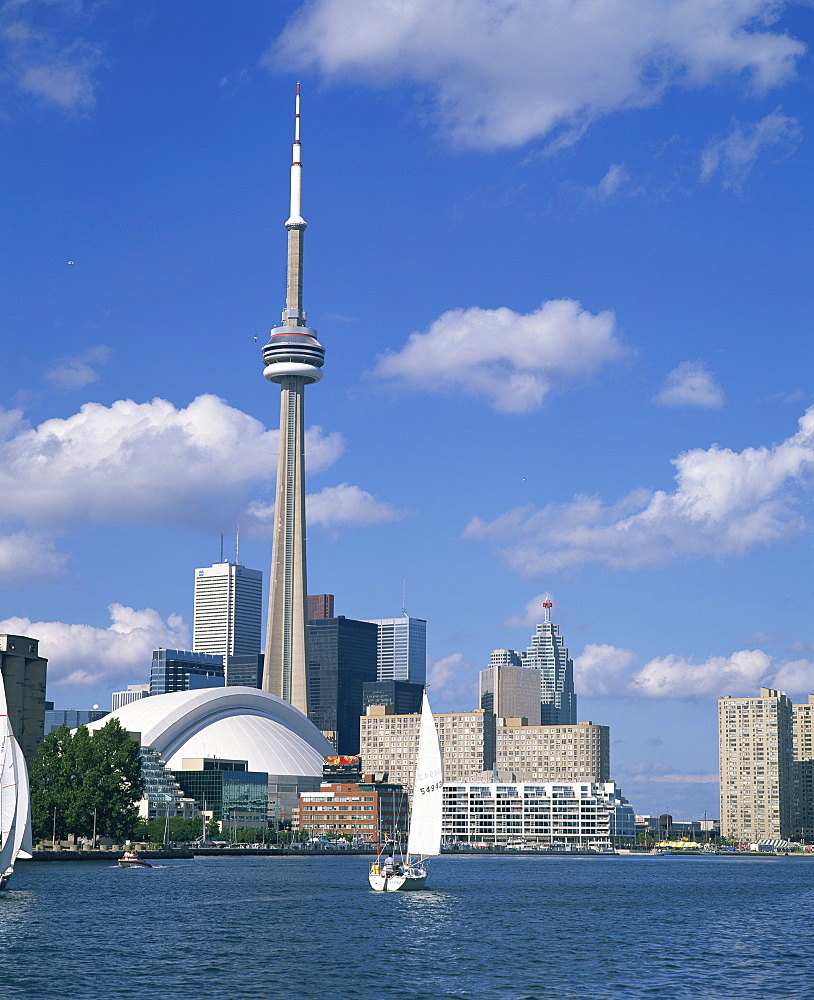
(388, 866)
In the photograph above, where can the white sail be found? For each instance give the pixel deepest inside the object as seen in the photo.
(428, 790)
(15, 799)
(8, 802)
(22, 833)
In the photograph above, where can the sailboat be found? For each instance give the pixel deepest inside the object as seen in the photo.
(424, 839)
(15, 801)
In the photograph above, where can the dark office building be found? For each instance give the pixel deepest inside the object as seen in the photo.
(341, 659)
(403, 697)
(23, 671)
(245, 671)
(184, 670)
(319, 606)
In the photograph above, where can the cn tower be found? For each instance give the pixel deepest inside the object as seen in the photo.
(293, 357)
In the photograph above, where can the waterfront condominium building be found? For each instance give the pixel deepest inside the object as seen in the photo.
(755, 755)
(402, 649)
(341, 659)
(24, 671)
(554, 814)
(389, 744)
(803, 768)
(228, 610)
(184, 670)
(552, 753)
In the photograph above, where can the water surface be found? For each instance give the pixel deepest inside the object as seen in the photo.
(486, 928)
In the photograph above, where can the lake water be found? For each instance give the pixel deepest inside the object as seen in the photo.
(487, 928)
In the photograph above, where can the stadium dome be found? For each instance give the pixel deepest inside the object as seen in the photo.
(236, 723)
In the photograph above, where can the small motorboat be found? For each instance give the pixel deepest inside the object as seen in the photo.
(131, 859)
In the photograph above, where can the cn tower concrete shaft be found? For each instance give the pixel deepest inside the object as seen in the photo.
(293, 357)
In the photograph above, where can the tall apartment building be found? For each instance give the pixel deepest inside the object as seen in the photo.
(228, 609)
(184, 670)
(24, 671)
(548, 655)
(553, 753)
(509, 690)
(803, 768)
(755, 755)
(342, 657)
(389, 744)
(402, 649)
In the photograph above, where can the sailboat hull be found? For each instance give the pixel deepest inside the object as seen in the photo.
(414, 878)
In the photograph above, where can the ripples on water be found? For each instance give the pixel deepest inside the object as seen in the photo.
(488, 928)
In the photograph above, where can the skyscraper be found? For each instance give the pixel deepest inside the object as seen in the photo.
(293, 357)
(341, 658)
(549, 654)
(228, 610)
(402, 649)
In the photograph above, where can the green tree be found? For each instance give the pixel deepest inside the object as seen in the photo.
(50, 789)
(84, 780)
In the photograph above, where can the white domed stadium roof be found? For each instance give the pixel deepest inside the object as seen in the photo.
(235, 723)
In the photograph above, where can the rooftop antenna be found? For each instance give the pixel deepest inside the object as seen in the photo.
(221, 546)
(547, 606)
(404, 598)
(237, 546)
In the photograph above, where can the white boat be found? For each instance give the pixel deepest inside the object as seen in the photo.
(15, 800)
(424, 840)
(131, 859)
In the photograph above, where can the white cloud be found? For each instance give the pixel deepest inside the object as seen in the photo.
(344, 505)
(676, 677)
(451, 683)
(691, 384)
(608, 671)
(27, 556)
(81, 656)
(45, 54)
(512, 360)
(502, 72)
(611, 184)
(735, 155)
(724, 503)
(73, 373)
(532, 613)
(142, 463)
(600, 670)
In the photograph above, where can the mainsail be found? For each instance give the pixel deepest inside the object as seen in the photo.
(428, 790)
(15, 801)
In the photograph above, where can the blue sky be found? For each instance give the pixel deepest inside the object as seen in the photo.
(559, 256)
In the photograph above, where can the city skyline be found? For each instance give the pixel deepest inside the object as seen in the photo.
(567, 306)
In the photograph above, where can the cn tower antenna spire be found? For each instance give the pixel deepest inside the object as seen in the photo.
(293, 357)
